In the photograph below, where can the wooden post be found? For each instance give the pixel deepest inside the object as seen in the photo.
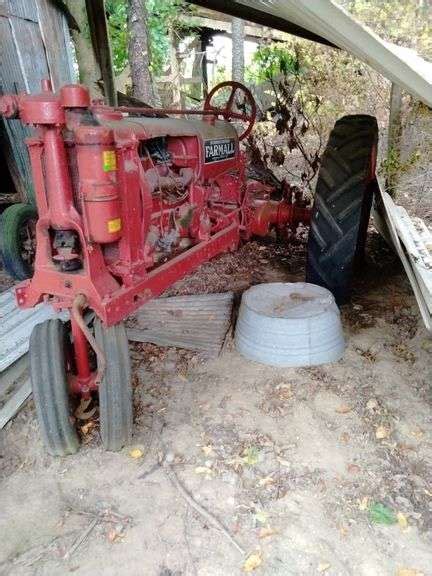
(205, 37)
(101, 43)
(238, 35)
(394, 138)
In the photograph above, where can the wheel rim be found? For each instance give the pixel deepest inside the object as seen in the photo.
(27, 242)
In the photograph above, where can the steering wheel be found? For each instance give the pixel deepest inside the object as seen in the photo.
(235, 107)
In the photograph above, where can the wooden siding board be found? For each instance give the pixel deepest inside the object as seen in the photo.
(31, 52)
(22, 8)
(55, 34)
(12, 80)
(34, 44)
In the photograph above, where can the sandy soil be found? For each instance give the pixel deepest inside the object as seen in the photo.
(291, 461)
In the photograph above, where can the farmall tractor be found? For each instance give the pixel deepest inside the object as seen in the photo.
(130, 200)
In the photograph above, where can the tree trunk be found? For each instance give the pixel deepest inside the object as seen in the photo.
(143, 87)
(238, 49)
(89, 70)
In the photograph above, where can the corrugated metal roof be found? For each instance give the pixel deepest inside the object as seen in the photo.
(16, 326)
(327, 20)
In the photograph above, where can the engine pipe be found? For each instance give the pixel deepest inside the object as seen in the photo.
(266, 214)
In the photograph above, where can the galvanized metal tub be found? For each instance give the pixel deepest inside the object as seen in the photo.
(292, 324)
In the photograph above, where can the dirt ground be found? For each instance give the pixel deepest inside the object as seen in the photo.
(295, 463)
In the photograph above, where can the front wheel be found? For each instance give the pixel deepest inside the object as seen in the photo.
(49, 366)
(115, 390)
(53, 369)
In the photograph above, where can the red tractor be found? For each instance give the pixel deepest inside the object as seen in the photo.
(130, 200)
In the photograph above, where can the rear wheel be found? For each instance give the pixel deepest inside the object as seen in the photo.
(18, 240)
(342, 204)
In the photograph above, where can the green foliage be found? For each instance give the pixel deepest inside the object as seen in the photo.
(404, 22)
(381, 514)
(393, 166)
(272, 60)
(163, 16)
(117, 25)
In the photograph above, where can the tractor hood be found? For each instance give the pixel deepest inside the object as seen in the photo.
(326, 22)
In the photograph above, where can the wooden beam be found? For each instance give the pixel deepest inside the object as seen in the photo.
(261, 17)
(100, 38)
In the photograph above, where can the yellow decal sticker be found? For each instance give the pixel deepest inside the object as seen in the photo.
(114, 225)
(109, 160)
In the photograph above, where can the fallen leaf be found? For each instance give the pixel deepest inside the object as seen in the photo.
(136, 453)
(266, 532)
(343, 409)
(261, 516)
(363, 504)
(86, 428)
(379, 513)
(402, 521)
(284, 391)
(409, 572)
(418, 433)
(203, 470)
(112, 535)
(323, 566)
(353, 468)
(344, 437)
(283, 462)
(252, 562)
(372, 404)
(250, 455)
(207, 450)
(382, 432)
(267, 481)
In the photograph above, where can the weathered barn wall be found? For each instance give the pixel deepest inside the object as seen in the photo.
(34, 44)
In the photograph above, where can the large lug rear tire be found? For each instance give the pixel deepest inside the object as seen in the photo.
(342, 204)
(17, 240)
(48, 343)
(115, 390)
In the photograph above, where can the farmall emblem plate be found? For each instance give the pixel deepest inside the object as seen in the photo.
(220, 149)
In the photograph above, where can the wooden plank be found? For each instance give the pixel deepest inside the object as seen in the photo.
(100, 39)
(57, 42)
(198, 322)
(31, 52)
(13, 374)
(12, 407)
(13, 132)
(25, 9)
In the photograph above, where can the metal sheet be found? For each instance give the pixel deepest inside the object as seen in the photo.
(398, 231)
(328, 20)
(16, 326)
